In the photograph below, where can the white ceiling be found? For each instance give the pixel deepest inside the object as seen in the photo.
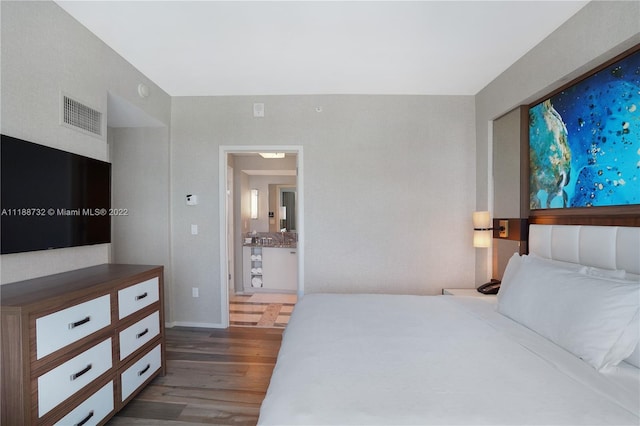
(204, 48)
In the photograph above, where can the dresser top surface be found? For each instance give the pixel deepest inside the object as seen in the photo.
(37, 289)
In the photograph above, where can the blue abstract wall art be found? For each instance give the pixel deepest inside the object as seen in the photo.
(584, 142)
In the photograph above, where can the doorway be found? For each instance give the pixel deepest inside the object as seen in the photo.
(229, 237)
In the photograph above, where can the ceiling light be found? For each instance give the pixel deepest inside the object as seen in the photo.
(272, 154)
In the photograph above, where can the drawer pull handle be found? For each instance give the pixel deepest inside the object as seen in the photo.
(144, 370)
(86, 419)
(142, 333)
(141, 296)
(73, 325)
(81, 372)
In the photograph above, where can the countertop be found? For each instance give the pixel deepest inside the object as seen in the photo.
(289, 246)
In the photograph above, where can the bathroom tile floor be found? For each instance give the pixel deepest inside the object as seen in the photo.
(261, 309)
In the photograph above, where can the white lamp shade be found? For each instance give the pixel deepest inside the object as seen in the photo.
(481, 220)
(482, 234)
(482, 238)
(283, 212)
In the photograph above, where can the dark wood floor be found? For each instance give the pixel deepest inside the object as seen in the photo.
(214, 377)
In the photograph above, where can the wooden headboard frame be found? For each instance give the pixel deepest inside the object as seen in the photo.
(596, 216)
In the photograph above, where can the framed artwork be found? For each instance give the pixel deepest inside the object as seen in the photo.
(584, 140)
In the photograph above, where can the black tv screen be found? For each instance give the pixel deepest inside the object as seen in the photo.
(51, 198)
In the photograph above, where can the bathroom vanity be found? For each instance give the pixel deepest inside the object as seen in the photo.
(270, 268)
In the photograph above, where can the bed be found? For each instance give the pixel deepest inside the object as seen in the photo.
(567, 356)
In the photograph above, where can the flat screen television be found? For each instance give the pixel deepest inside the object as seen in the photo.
(51, 198)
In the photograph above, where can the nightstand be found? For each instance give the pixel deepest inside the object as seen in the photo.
(469, 292)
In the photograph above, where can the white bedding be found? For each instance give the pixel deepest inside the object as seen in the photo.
(393, 360)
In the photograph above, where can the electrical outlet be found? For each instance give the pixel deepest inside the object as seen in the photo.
(195, 292)
(504, 229)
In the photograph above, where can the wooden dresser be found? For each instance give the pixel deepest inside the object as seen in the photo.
(77, 346)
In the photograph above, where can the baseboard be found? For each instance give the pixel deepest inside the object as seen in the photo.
(193, 324)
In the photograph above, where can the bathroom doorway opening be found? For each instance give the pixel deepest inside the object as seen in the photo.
(254, 305)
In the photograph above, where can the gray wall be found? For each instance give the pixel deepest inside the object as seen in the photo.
(46, 52)
(140, 184)
(598, 32)
(506, 178)
(388, 185)
(506, 165)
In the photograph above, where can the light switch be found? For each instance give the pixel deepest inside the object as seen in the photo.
(194, 229)
(258, 110)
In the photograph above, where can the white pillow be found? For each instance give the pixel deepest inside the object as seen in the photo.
(591, 317)
(634, 358)
(509, 272)
(514, 265)
(532, 257)
(604, 273)
(588, 270)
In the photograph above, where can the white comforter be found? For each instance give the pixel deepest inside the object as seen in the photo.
(433, 360)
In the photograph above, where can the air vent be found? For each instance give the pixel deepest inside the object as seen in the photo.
(80, 116)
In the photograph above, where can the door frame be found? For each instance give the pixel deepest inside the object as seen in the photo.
(231, 278)
(223, 153)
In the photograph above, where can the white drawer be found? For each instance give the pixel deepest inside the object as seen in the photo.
(133, 337)
(93, 410)
(140, 371)
(59, 329)
(137, 296)
(71, 376)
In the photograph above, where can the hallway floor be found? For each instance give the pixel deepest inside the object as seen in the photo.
(261, 309)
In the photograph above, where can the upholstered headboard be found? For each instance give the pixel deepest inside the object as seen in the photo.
(608, 247)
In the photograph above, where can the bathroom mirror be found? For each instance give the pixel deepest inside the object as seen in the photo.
(282, 196)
